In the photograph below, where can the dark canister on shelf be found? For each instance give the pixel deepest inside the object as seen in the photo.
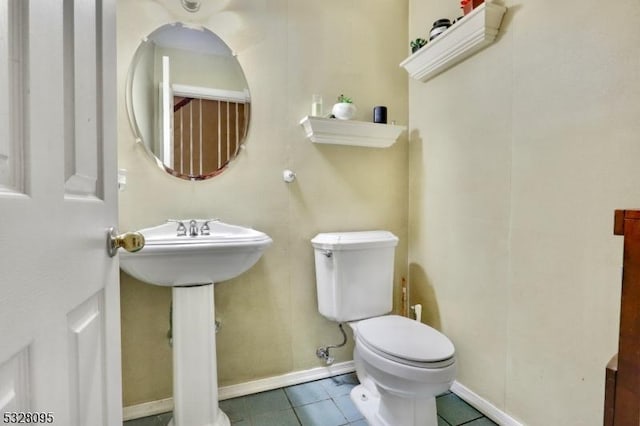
(439, 27)
(380, 114)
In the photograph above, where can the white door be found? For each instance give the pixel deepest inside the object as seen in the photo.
(59, 291)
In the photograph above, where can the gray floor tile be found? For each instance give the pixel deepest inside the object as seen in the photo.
(276, 418)
(338, 386)
(236, 408)
(347, 407)
(442, 422)
(483, 421)
(145, 421)
(349, 378)
(165, 418)
(265, 402)
(455, 411)
(306, 393)
(323, 413)
(158, 420)
(314, 408)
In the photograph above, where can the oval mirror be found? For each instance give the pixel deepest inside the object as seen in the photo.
(188, 101)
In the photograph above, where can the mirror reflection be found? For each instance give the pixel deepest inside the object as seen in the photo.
(188, 101)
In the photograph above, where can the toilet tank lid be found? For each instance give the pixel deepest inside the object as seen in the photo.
(354, 240)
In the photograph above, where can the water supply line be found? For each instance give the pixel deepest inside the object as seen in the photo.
(417, 310)
(323, 351)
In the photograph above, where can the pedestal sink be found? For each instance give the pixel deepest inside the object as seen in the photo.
(190, 256)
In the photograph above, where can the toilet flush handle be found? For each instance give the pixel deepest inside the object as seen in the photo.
(327, 253)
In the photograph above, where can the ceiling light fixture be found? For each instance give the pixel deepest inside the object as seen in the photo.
(190, 5)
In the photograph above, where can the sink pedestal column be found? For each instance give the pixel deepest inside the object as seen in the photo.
(195, 379)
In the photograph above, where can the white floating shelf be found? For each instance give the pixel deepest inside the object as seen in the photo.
(474, 32)
(350, 132)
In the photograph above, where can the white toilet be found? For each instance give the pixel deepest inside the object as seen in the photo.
(402, 364)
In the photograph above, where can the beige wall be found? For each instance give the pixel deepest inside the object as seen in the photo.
(518, 158)
(289, 50)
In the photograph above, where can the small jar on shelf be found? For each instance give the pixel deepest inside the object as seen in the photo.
(468, 5)
(439, 27)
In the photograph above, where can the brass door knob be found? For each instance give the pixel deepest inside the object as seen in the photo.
(130, 241)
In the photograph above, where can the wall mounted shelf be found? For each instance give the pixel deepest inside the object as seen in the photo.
(474, 32)
(350, 132)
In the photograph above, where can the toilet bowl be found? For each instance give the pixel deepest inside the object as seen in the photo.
(402, 364)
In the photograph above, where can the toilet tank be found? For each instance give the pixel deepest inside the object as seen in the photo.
(354, 274)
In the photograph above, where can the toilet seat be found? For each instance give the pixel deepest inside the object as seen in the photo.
(406, 341)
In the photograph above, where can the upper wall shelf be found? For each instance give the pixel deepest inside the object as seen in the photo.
(474, 32)
(350, 132)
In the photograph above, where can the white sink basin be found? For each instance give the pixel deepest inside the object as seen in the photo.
(171, 260)
(191, 264)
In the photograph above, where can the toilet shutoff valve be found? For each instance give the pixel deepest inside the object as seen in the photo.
(323, 353)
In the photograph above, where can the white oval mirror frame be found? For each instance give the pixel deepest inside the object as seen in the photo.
(188, 101)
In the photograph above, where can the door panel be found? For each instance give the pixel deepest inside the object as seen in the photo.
(82, 95)
(59, 294)
(14, 382)
(13, 68)
(86, 357)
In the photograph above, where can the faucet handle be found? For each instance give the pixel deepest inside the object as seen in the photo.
(181, 231)
(204, 229)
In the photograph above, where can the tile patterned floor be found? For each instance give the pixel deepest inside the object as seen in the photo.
(320, 403)
(453, 411)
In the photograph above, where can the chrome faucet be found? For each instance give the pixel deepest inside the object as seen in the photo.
(193, 228)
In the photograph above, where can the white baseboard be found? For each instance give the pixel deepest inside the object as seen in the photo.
(484, 406)
(147, 409)
(248, 388)
(288, 379)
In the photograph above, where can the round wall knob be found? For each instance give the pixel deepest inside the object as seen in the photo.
(288, 176)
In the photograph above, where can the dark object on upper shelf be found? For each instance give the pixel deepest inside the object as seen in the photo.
(380, 114)
(439, 27)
